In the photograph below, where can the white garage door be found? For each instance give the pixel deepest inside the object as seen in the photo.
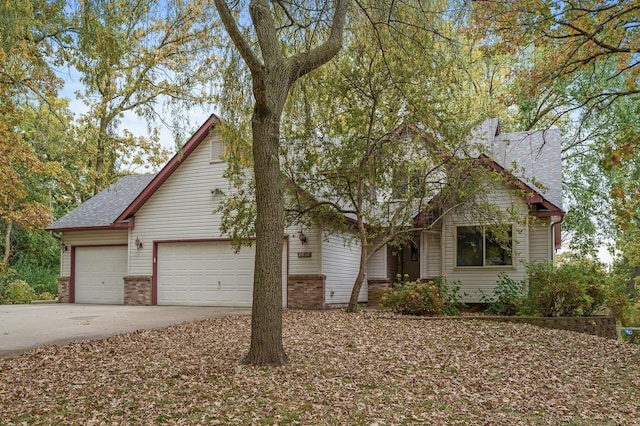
(99, 273)
(206, 274)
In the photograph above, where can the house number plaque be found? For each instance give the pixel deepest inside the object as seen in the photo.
(304, 254)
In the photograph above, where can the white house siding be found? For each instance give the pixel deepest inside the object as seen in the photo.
(377, 265)
(540, 241)
(304, 265)
(431, 261)
(476, 280)
(88, 238)
(340, 262)
(182, 208)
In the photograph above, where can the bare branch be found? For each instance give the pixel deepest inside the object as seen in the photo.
(249, 56)
(304, 62)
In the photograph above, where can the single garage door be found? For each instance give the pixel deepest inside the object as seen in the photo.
(99, 273)
(207, 274)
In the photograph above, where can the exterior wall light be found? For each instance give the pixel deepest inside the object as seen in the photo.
(302, 237)
(138, 243)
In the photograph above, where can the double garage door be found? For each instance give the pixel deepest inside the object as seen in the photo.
(207, 274)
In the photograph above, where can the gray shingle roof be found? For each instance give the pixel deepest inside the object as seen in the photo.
(105, 207)
(533, 157)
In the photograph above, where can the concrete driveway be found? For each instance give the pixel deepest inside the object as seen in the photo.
(24, 327)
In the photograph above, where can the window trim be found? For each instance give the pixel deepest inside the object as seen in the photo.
(212, 144)
(511, 265)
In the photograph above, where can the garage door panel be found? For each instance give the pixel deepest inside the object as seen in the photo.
(205, 274)
(99, 273)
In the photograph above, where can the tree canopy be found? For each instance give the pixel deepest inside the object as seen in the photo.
(579, 69)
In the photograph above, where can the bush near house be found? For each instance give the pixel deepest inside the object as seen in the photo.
(434, 297)
(35, 260)
(508, 296)
(579, 288)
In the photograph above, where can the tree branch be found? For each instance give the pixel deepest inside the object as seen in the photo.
(249, 56)
(304, 62)
(265, 28)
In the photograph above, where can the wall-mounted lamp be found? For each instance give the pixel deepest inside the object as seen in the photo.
(138, 243)
(302, 237)
(63, 247)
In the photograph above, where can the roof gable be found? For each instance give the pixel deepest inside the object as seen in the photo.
(102, 210)
(531, 195)
(170, 167)
(116, 205)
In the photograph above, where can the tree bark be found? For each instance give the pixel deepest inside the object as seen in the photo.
(7, 242)
(357, 285)
(272, 80)
(266, 321)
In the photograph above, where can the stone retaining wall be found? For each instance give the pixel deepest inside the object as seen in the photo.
(603, 326)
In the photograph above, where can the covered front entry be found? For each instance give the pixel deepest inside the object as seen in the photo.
(98, 274)
(206, 273)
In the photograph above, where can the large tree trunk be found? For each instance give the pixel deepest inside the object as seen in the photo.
(272, 75)
(266, 321)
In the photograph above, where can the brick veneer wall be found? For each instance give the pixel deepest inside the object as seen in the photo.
(64, 289)
(137, 290)
(376, 287)
(306, 291)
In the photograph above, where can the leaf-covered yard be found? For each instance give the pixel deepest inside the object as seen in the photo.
(345, 369)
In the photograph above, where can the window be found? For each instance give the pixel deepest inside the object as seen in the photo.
(484, 246)
(215, 151)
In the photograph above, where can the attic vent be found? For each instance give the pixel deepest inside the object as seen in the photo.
(215, 150)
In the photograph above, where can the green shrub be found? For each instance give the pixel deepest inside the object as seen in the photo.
(41, 278)
(18, 292)
(453, 297)
(435, 297)
(508, 296)
(45, 296)
(620, 306)
(571, 289)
